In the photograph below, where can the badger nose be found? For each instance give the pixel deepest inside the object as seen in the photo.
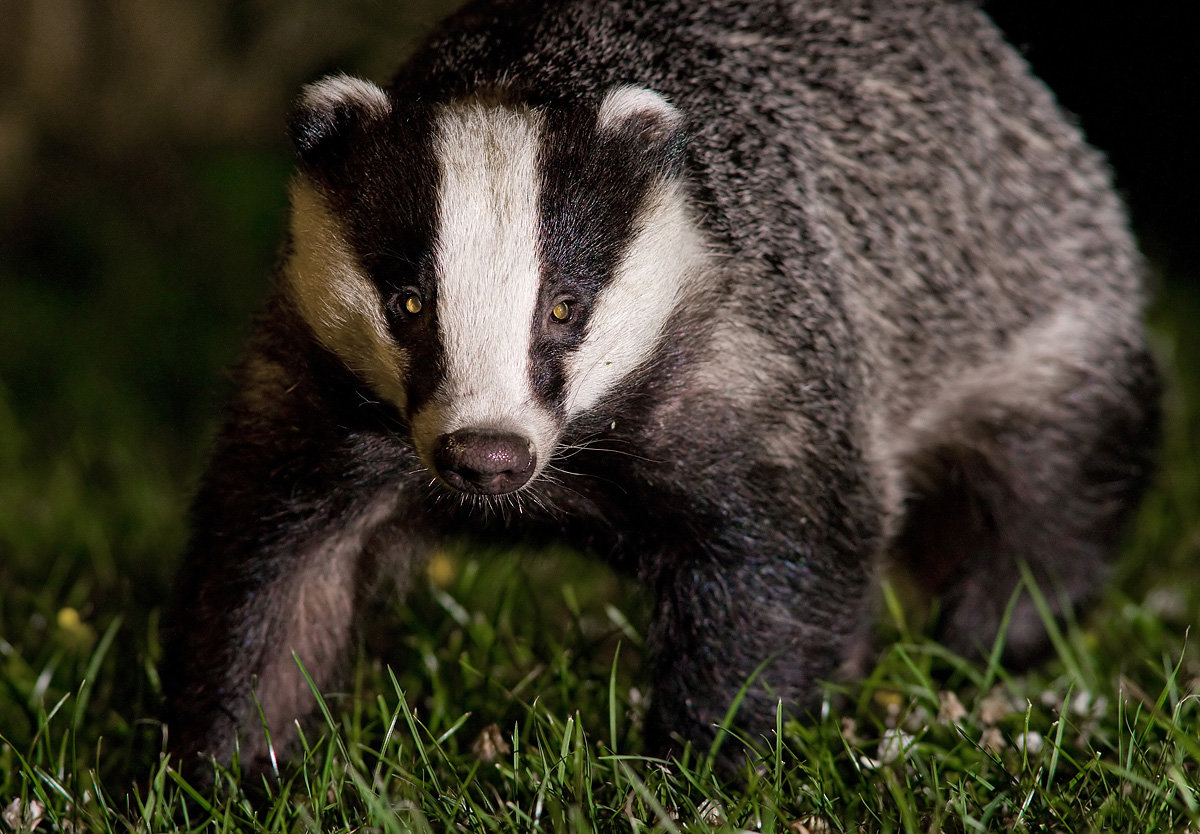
(484, 462)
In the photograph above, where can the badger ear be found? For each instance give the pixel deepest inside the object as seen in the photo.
(646, 117)
(325, 113)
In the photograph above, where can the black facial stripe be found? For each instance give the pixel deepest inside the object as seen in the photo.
(386, 193)
(391, 196)
(592, 187)
(420, 336)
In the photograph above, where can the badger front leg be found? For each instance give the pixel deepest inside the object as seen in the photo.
(765, 611)
(291, 530)
(249, 613)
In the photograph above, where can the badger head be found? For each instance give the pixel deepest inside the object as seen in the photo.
(493, 270)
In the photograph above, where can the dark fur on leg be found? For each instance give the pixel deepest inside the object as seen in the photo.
(1002, 492)
(279, 563)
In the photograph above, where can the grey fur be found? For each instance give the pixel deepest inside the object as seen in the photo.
(920, 342)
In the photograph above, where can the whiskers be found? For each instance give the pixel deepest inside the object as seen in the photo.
(529, 502)
(598, 443)
(603, 443)
(557, 492)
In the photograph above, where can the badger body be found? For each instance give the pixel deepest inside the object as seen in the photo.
(748, 298)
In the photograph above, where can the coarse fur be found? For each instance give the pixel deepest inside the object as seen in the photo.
(748, 298)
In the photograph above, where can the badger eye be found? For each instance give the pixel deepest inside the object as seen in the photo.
(561, 311)
(407, 301)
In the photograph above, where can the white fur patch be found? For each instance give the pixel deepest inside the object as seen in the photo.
(330, 92)
(625, 102)
(1050, 358)
(489, 274)
(663, 263)
(1034, 377)
(340, 304)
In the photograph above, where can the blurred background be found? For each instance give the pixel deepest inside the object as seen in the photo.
(142, 171)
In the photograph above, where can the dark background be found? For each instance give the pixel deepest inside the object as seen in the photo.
(1130, 71)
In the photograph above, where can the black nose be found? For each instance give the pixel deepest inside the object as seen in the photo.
(483, 462)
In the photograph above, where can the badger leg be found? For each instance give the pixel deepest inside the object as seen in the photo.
(289, 539)
(1034, 466)
(765, 618)
(246, 621)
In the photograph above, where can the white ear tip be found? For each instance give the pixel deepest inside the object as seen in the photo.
(629, 101)
(341, 90)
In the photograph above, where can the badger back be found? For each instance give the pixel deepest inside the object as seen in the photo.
(489, 268)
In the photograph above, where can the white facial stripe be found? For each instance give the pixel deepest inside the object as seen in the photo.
(488, 266)
(662, 264)
(335, 298)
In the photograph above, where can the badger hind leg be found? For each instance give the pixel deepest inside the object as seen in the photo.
(1037, 460)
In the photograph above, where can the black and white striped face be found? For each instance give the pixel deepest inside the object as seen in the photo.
(492, 270)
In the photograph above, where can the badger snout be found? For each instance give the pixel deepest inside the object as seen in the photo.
(482, 462)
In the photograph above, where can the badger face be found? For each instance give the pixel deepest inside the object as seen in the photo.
(491, 270)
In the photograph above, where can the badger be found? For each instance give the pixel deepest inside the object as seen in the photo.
(751, 299)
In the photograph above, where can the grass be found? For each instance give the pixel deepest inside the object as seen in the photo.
(505, 697)
(498, 721)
